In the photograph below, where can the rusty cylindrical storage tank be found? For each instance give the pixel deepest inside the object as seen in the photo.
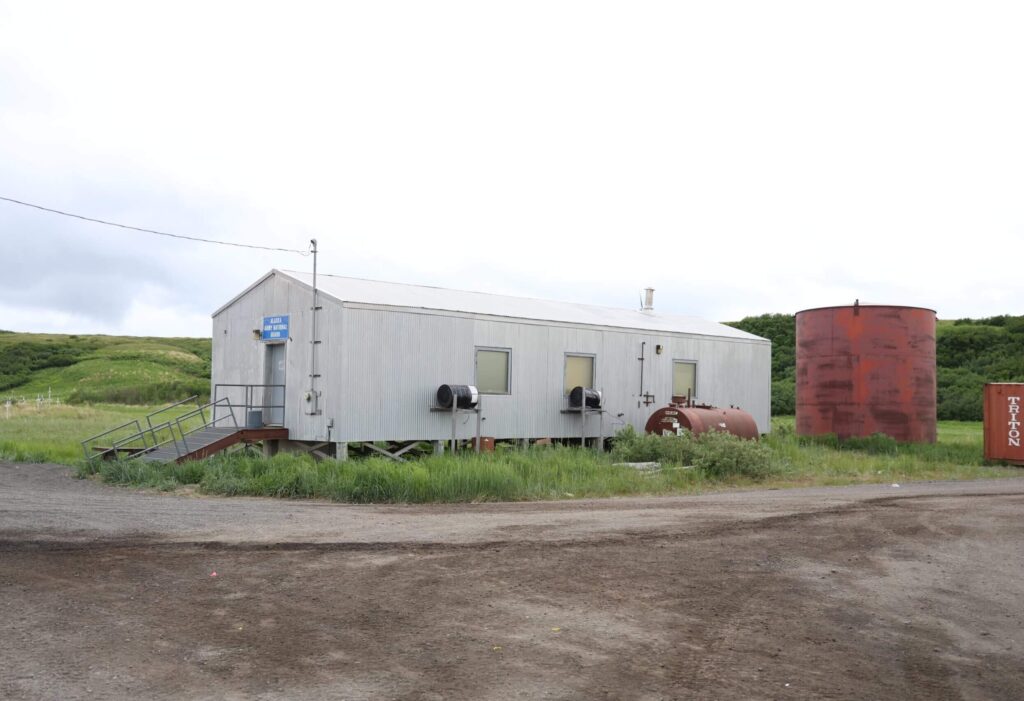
(671, 419)
(866, 369)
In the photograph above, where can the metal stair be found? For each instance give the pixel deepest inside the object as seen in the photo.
(193, 443)
(194, 434)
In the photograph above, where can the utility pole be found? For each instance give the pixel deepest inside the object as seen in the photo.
(314, 396)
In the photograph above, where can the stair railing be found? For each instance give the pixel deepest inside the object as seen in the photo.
(149, 417)
(154, 432)
(269, 398)
(155, 437)
(213, 406)
(138, 433)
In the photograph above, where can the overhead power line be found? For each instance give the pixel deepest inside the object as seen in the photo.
(151, 231)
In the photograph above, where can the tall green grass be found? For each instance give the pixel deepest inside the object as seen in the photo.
(708, 462)
(823, 460)
(553, 473)
(716, 461)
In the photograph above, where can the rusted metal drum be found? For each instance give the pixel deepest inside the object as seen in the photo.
(866, 369)
(1004, 422)
(674, 419)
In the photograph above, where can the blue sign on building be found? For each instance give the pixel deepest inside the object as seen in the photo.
(275, 328)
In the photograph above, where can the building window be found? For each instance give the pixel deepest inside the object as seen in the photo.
(684, 378)
(492, 371)
(579, 371)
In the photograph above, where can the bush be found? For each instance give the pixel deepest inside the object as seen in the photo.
(715, 453)
(784, 397)
(630, 446)
(722, 455)
(18, 362)
(959, 394)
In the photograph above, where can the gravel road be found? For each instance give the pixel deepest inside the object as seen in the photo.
(873, 591)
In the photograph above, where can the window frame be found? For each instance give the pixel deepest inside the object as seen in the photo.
(565, 369)
(686, 361)
(508, 369)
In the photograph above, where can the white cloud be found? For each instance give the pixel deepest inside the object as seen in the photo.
(741, 157)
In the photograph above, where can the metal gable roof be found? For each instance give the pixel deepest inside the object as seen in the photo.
(393, 294)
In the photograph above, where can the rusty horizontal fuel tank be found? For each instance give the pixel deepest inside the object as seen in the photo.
(674, 419)
(866, 369)
(1004, 422)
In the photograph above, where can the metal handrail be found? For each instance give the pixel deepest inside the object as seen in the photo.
(86, 442)
(142, 434)
(206, 424)
(249, 403)
(149, 417)
(152, 430)
(129, 439)
(199, 411)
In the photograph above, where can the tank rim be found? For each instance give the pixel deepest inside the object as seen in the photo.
(868, 306)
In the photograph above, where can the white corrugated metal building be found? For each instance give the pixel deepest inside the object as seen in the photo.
(384, 348)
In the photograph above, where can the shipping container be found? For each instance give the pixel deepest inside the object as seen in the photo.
(1003, 422)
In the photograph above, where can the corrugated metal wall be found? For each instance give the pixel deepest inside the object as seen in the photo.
(380, 368)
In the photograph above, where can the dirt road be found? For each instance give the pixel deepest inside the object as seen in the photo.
(864, 592)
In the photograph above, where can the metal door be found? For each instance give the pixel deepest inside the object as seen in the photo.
(273, 411)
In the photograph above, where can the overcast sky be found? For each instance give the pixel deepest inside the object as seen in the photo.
(740, 157)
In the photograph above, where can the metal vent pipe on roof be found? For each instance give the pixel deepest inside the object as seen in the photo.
(648, 299)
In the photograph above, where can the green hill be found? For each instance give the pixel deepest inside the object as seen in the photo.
(107, 369)
(969, 353)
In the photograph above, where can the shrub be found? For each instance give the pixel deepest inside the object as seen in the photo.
(630, 446)
(716, 453)
(959, 394)
(722, 455)
(784, 397)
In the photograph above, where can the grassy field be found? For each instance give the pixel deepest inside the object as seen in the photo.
(956, 455)
(34, 432)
